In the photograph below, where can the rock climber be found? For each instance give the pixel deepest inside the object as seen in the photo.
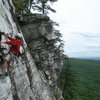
(15, 44)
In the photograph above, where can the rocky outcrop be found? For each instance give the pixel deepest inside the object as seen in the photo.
(31, 77)
(42, 41)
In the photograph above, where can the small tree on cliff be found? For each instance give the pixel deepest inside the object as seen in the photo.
(43, 6)
(37, 5)
(67, 81)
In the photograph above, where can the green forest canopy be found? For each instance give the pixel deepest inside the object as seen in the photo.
(87, 79)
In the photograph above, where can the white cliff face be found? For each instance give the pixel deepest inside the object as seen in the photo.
(24, 82)
(5, 89)
(6, 21)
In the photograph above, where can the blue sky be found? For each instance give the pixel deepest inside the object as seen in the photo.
(79, 22)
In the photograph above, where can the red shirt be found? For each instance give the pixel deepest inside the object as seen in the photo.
(15, 44)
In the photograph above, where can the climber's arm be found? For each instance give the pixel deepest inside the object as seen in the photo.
(9, 37)
(8, 42)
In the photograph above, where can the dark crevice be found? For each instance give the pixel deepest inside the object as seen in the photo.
(43, 71)
(14, 16)
(14, 90)
(29, 76)
(15, 97)
(3, 2)
(29, 72)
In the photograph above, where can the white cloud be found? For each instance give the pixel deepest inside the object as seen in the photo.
(88, 34)
(80, 24)
(80, 15)
(93, 46)
(77, 51)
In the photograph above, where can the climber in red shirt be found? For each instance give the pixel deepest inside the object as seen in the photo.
(15, 44)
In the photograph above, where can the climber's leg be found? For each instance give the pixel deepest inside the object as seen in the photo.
(4, 65)
(7, 60)
(9, 66)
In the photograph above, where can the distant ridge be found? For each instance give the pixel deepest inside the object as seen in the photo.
(93, 58)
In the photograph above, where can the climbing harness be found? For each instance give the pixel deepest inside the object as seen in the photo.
(3, 53)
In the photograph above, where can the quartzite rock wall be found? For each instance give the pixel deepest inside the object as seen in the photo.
(42, 41)
(32, 78)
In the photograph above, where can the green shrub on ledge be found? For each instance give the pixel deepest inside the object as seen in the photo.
(19, 4)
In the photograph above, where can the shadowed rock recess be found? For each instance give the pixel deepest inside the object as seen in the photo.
(34, 75)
